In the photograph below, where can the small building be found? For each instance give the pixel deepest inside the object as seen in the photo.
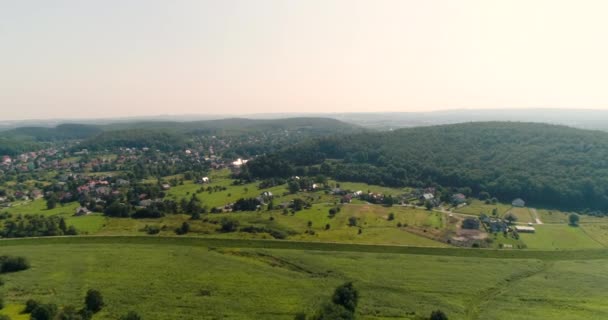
(166, 186)
(427, 197)
(458, 198)
(82, 211)
(525, 229)
(518, 203)
(205, 180)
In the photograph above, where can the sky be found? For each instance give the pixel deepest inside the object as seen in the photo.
(115, 58)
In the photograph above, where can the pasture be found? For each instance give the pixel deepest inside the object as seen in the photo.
(558, 236)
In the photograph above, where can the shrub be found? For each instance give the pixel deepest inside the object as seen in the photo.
(183, 229)
(93, 300)
(13, 264)
(229, 225)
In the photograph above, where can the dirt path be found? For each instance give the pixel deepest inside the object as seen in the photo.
(535, 216)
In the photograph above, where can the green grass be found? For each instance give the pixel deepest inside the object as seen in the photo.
(221, 198)
(14, 311)
(549, 236)
(162, 278)
(87, 224)
(477, 207)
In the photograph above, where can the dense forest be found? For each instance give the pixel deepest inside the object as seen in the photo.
(544, 164)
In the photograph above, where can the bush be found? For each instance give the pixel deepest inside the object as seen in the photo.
(352, 221)
(347, 296)
(331, 311)
(30, 305)
(44, 312)
(152, 229)
(1, 303)
(185, 228)
(438, 315)
(229, 225)
(132, 315)
(93, 300)
(573, 218)
(4, 317)
(13, 264)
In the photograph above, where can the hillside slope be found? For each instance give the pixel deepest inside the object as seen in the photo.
(544, 164)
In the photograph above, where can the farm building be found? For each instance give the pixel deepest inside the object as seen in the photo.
(525, 229)
(518, 203)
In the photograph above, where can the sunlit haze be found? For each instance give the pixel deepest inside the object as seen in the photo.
(66, 59)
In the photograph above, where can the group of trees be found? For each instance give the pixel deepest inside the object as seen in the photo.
(35, 226)
(93, 303)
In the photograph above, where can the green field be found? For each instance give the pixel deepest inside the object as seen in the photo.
(181, 278)
(39, 207)
(556, 236)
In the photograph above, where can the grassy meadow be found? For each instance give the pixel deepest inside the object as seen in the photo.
(205, 280)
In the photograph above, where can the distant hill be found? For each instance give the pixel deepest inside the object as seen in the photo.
(314, 126)
(60, 132)
(544, 164)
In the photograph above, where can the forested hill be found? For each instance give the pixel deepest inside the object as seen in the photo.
(544, 164)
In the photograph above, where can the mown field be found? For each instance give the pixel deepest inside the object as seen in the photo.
(169, 278)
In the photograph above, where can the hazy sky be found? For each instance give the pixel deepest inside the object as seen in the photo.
(109, 58)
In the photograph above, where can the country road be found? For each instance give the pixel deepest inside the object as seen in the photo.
(535, 216)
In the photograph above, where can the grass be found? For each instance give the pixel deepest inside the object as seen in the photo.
(167, 278)
(477, 207)
(359, 186)
(549, 236)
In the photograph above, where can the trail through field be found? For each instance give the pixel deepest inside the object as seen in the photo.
(485, 297)
(535, 216)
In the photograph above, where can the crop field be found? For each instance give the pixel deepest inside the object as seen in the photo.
(194, 279)
(549, 236)
(477, 207)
